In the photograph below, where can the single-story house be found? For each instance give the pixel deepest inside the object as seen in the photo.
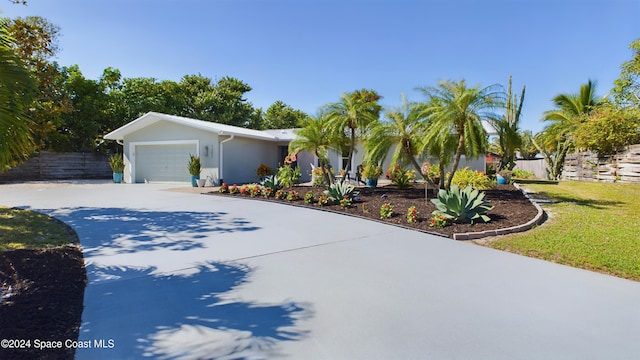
(156, 148)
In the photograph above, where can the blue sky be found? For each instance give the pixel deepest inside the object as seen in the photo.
(307, 52)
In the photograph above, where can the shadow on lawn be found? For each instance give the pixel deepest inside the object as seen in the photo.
(110, 231)
(184, 315)
(591, 203)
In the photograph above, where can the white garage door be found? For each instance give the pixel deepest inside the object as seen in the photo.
(163, 162)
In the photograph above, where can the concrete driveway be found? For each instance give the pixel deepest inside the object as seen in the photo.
(188, 276)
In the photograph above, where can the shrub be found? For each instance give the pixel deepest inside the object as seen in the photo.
(281, 194)
(401, 177)
(264, 170)
(244, 189)
(523, 174)
(339, 190)
(438, 221)
(323, 200)
(308, 197)
(371, 171)
(386, 211)
(293, 195)
(288, 175)
(255, 190)
(194, 165)
(412, 215)
(477, 180)
(345, 202)
(462, 206)
(267, 192)
(224, 188)
(233, 189)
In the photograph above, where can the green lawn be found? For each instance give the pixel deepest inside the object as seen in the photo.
(23, 229)
(594, 226)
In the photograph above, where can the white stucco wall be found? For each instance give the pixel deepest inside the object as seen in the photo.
(242, 156)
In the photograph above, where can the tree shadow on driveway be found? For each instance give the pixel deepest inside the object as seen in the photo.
(112, 231)
(184, 315)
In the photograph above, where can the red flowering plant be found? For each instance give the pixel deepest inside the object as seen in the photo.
(267, 192)
(386, 211)
(412, 215)
(281, 194)
(323, 200)
(224, 188)
(345, 202)
(438, 221)
(244, 189)
(233, 189)
(255, 190)
(293, 195)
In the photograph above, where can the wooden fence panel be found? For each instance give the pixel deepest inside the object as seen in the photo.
(536, 166)
(587, 166)
(60, 166)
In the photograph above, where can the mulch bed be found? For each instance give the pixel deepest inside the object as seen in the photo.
(511, 207)
(41, 298)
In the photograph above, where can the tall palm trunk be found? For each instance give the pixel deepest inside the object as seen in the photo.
(456, 161)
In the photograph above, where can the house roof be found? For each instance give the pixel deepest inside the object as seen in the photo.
(221, 129)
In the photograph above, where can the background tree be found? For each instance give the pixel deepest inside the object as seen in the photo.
(282, 116)
(454, 108)
(626, 90)
(16, 93)
(608, 129)
(507, 127)
(36, 44)
(528, 149)
(353, 115)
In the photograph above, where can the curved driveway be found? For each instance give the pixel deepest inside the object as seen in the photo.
(183, 275)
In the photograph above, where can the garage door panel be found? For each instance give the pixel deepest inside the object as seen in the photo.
(163, 163)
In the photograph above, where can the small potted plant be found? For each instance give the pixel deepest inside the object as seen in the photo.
(503, 177)
(371, 173)
(194, 169)
(117, 166)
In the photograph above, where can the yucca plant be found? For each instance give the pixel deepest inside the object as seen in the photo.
(339, 190)
(462, 206)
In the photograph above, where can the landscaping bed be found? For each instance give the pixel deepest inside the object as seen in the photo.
(511, 207)
(42, 282)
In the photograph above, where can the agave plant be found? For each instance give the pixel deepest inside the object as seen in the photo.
(462, 206)
(272, 182)
(340, 190)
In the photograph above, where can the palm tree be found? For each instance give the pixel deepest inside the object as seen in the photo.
(404, 132)
(16, 93)
(571, 110)
(509, 139)
(316, 138)
(356, 111)
(458, 110)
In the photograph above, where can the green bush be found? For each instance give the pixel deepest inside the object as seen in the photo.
(523, 174)
(477, 180)
(400, 176)
(288, 175)
(462, 206)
